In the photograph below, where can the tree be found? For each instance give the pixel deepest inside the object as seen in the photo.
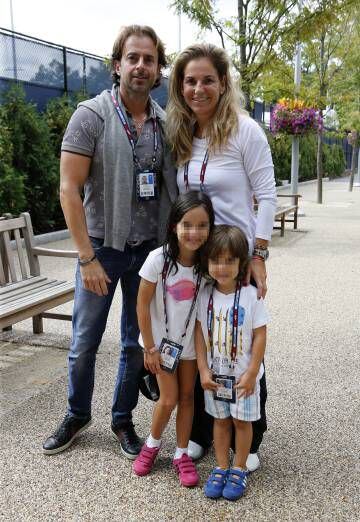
(259, 32)
(322, 55)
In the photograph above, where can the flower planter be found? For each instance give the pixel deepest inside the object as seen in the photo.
(295, 118)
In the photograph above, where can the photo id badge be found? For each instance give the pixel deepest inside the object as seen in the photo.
(170, 355)
(226, 392)
(146, 186)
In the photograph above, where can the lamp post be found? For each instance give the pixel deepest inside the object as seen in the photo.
(295, 139)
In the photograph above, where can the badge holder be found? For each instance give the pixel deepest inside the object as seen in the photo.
(170, 355)
(226, 392)
(146, 186)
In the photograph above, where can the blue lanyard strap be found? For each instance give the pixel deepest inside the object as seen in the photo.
(129, 134)
(210, 322)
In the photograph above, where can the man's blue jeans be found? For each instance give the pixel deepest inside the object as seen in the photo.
(89, 321)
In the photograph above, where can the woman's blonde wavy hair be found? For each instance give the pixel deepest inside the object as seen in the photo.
(180, 120)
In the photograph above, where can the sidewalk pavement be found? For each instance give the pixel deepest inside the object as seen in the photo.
(310, 454)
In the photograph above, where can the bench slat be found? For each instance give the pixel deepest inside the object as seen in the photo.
(52, 293)
(9, 255)
(10, 224)
(21, 298)
(9, 287)
(20, 254)
(2, 273)
(28, 290)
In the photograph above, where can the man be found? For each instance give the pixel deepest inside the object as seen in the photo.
(114, 143)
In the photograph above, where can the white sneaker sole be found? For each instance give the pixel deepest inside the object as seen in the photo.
(68, 444)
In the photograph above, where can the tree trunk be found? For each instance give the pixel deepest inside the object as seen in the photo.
(322, 92)
(355, 151)
(319, 168)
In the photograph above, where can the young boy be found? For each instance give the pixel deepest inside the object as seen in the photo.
(230, 338)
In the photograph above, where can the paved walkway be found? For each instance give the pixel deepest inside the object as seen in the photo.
(310, 455)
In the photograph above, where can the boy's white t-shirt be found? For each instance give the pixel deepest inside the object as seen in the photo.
(252, 314)
(180, 290)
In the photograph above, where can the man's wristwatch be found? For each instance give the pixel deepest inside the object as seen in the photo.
(261, 252)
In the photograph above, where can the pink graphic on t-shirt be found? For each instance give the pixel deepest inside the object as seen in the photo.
(183, 290)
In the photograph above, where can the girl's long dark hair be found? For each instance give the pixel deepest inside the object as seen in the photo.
(182, 205)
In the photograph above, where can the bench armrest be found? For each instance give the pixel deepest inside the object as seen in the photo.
(39, 251)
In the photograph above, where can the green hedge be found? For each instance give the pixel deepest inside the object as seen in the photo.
(29, 158)
(333, 158)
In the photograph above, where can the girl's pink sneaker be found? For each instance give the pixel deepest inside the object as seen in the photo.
(185, 467)
(144, 461)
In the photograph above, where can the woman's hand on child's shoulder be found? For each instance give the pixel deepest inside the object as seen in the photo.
(207, 381)
(152, 362)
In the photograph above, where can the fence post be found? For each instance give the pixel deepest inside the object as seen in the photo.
(65, 71)
(84, 74)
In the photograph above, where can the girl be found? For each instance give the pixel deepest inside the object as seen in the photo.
(230, 337)
(167, 301)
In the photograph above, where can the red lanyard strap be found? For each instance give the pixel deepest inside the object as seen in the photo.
(202, 172)
(129, 134)
(164, 275)
(210, 322)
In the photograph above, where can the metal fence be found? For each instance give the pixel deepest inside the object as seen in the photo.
(47, 70)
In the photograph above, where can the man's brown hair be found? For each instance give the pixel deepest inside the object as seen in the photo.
(137, 30)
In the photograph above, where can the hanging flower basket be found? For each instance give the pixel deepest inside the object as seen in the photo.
(295, 118)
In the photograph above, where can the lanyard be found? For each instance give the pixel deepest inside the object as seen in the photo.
(129, 134)
(197, 288)
(202, 172)
(210, 322)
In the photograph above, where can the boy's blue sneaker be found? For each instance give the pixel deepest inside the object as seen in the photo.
(215, 483)
(235, 484)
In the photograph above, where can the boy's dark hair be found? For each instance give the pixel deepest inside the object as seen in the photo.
(183, 204)
(228, 238)
(137, 30)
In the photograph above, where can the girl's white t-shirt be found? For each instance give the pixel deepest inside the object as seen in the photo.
(252, 314)
(180, 290)
(243, 168)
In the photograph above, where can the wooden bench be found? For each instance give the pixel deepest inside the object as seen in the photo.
(24, 292)
(283, 212)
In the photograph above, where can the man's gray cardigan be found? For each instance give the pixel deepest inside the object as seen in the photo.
(119, 173)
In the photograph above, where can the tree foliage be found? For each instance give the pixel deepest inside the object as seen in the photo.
(33, 162)
(261, 33)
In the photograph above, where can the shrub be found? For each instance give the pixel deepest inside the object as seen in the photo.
(12, 191)
(57, 115)
(280, 145)
(33, 158)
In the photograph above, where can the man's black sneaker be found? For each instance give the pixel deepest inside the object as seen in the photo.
(65, 434)
(130, 443)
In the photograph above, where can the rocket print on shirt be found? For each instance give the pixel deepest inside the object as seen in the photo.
(222, 331)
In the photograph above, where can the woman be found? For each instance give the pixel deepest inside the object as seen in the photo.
(221, 150)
